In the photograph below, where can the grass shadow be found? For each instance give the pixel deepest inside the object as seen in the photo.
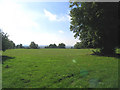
(5, 58)
(116, 55)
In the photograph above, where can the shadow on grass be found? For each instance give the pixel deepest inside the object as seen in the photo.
(5, 58)
(116, 55)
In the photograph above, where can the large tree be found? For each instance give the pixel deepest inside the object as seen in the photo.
(96, 24)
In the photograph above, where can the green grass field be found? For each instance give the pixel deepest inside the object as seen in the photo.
(58, 68)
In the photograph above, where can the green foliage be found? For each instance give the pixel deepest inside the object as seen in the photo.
(96, 24)
(19, 46)
(79, 45)
(54, 68)
(51, 46)
(61, 45)
(6, 42)
(33, 45)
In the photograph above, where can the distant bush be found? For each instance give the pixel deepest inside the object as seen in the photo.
(33, 45)
(20, 46)
(61, 45)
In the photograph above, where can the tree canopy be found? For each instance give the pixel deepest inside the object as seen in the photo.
(33, 45)
(61, 45)
(96, 24)
(6, 42)
(20, 46)
(78, 45)
(52, 46)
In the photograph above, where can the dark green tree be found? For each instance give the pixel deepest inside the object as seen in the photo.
(33, 45)
(19, 46)
(46, 46)
(61, 45)
(52, 46)
(96, 24)
(11, 45)
(5, 42)
(78, 45)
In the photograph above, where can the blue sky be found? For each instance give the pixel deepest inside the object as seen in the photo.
(42, 22)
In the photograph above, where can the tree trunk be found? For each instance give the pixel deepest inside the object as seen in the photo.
(108, 50)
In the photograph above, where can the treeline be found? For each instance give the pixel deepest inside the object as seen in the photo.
(6, 43)
(32, 45)
(61, 45)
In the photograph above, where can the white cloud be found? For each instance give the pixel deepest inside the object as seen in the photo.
(51, 16)
(60, 31)
(69, 17)
(54, 17)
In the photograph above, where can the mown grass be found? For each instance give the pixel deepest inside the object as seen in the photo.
(58, 68)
